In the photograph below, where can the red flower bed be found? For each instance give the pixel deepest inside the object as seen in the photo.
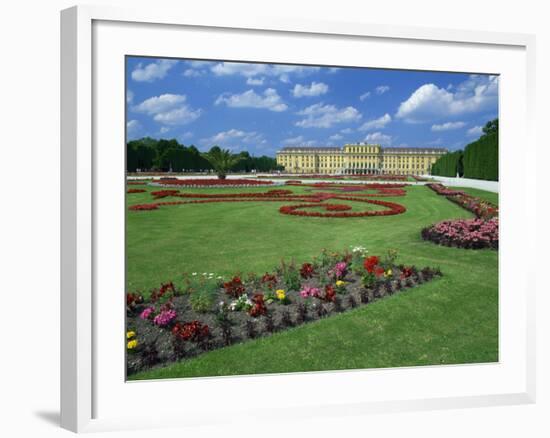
(135, 183)
(482, 209)
(314, 200)
(464, 233)
(144, 207)
(440, 189)
(297, 210)
(136, 191)
(159, 194)
(211, 182)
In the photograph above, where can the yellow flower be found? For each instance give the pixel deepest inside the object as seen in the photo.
(132, 344)
(388, 273)
(130, 334)
(340, 283)
(280, 293)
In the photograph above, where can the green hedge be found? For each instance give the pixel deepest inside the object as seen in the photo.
(449, 165)
(481, 158)
(478, 161)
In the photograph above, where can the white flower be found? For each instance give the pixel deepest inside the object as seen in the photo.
(194, 273)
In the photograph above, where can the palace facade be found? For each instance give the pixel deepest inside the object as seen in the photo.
(360, 158)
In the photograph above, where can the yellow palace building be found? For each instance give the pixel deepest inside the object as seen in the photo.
(360, 158)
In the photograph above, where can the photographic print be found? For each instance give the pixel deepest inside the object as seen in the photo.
(287, 218)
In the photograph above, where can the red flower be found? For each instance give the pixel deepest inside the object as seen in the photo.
(378, 271)
(194, 331)
(234, 287)
(259, 306)
(307, 271)
(370, 263)
(330, 294)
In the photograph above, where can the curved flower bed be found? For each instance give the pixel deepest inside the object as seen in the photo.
(312, 200)
(464, 233)
(440, 189)
(298, 210)
(206, 312)
(136, 191)
(166, 182)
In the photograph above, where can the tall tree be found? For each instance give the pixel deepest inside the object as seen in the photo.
(221, 160)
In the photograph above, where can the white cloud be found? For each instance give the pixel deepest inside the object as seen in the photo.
(381, 89)
(255, 81)
(346, 131)
(249, 99)
(153, 71)
(158, 104)
(132, 128)
(129, 96)
(332, 70)
(283, 72)
(336, 137)
(378, 123)
(475, 131)
(179, 116)
(186, 135)
(324, 116)
(234, 139)
(168, 109)
(164, 129)
(378, 138)
(298, 141)
(364, 96)
(448, 126)
(238, 68)
(435, 142)
(429, 102)
(315, 89)
(192, 73)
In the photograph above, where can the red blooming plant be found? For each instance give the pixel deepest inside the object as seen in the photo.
(330, 294)
(307, 271)
(165, 293)
(370, 263)
(136, 191)
(234, 287)
(194, 331)
(269, 280)
(133, 300)
(258, 308)
(406, 272)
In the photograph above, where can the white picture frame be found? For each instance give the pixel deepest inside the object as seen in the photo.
(86, 402)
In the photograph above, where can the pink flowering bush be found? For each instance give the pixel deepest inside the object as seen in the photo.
(339, 271)
(464, 233)
(165, 317)
(309, 291)
(146, 314)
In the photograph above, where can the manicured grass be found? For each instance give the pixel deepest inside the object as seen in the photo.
(483, 194)
(449, 320)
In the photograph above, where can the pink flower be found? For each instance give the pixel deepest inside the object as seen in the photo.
(165, 317)
(147, 313)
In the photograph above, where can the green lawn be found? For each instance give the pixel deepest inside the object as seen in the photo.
(447, 321)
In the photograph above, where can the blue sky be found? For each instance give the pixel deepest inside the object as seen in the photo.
(264, 107)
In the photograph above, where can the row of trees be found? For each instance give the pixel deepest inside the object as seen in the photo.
(149, 154)
(479, 160)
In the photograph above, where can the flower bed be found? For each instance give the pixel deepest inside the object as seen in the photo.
(313, 201)
(204, 312)
(136, 191)
(167, 182)
(440, 189)
(464, 233)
